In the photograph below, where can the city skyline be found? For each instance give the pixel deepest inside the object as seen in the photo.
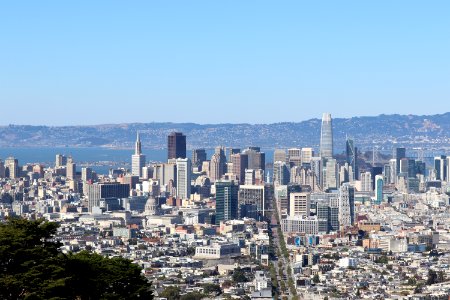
(273, 60)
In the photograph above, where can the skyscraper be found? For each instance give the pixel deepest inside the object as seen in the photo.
(198, 157)
(346, 205)
(379, 180)
(137, 159)
(299, 204)
(12, 168)
(326, 137)
(176, 145)
(240, 164)
(399, 154)
(184, 171)
(217, 166)
(60, 160)
(227, 199)
(440, 165)
(71, 168)
(352, 157)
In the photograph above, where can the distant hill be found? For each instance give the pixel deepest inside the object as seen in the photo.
(430, 132)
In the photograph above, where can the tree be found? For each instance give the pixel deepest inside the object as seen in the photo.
(441, 276)
(171, 293)
(432, 277)
(239, 276)
(210, 288)
(32, 267)
(192, 296)
(316, 279)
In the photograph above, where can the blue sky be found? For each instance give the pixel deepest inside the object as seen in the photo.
(92, 62)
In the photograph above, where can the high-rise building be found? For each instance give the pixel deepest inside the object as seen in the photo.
(2, 169)
(217, 166)
(393, 169)
(86, 174)
(176, 145)
(307, 155)
(252, 201)
(249, 177)
(256, 158)
(346, 205)
(137, 159)
(279, 155)
(240, 164)
(281, 174)
(440, 165)
(295, 157)
(352, 157)
(299, 204)
(12, 168)
(231, 151)
(400, 153)
(184, 171)
(60, 160)
(71, 168)
(331, 174)
(326, 137)
(227, 199)
(366, 182)
(198, 157)
(379, 180)
(98, 191)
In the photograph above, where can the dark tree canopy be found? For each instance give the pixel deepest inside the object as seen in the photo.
(32, 267)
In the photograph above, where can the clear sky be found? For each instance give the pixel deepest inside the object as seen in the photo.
(93, 62)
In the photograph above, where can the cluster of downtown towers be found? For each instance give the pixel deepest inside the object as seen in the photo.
(230, 170)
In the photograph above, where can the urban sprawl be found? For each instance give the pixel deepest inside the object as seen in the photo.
(310, 225)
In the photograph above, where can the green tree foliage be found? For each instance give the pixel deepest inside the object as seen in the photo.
(32, 267)
(316, 279)
(193, 296)
(171, 293)
(239, 276)
(210, 288)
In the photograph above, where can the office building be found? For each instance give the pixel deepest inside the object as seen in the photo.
(176, 145)
(98, 191)
(306, 155)
(299, 204)
(352, 157)
(346, 205)
(326, 137)
(440, 166)
(379, 182)
(184, 171)
(252, 198)
(86, 174)
(12, 168)
(331, 174)
(137, 159)
(256, 158)
(71, 169)
(279, 155)
(239, 162)
(227, 199)
(198, 157)
(281, 173)
(217, 165)
(60, 160)
(400, 153)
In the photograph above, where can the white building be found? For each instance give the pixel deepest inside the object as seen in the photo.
(299, 204)
(217, 251)
(184, 171)
(300, 224)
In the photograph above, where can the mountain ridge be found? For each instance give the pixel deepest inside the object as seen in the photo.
(426, 131)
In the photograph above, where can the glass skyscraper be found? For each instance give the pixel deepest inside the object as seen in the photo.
(326, 137)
